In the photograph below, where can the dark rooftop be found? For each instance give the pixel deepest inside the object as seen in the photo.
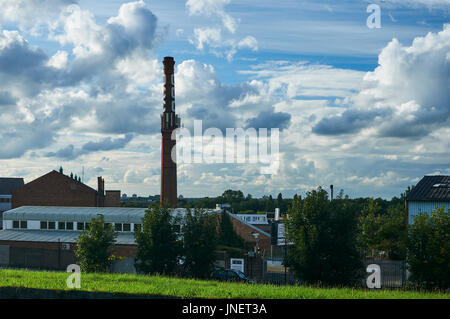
(8, 184)
(431, 188)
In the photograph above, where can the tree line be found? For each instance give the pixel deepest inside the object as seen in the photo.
(166, 244)
(332, 238)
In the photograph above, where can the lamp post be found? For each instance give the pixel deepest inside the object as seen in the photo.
(256, 249)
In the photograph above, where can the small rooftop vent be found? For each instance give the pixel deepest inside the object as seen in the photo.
(441, 186)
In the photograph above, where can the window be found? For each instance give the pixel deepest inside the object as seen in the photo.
(62, 225)
(69, 225)
(44, 225)
(80, 226)
(118, 226)
(137, 227)
(51, 225)
(172, 79)
(23, 224)
(126, 227)
(16, 224)
(86, 226)
(107, 225)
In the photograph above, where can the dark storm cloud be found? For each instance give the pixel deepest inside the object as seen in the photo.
(107, 144)
(24, 68)
(350, 121)
(67, 153)
(270, 119)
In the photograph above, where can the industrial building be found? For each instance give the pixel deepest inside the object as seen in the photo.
(430, 193)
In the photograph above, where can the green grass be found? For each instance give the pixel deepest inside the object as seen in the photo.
(189, 288)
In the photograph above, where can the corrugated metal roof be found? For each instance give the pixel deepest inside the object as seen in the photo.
(435, 187)
(48, 236)
(82, 214)
(7, 185)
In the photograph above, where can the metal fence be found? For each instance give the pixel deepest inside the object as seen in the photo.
(275, 273)
(393, 273)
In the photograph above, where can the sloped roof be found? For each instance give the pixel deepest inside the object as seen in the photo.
(436, 188)
(83, 214)
(8, 184)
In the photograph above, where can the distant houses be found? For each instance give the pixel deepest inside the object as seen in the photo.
(430, 193)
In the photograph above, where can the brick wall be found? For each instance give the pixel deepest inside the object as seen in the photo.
(44, 255)
(112, 199)
(245, 232)
(54, 189)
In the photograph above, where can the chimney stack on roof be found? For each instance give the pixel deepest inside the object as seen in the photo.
(101, 185)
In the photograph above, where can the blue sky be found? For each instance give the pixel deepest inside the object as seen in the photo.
(364, 109)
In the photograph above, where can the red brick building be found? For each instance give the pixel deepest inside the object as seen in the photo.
(57, 189)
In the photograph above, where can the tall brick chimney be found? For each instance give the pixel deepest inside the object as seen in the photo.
(169, 122)
(101, 185)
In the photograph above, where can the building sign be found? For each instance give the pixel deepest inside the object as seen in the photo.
(281, 235)
(237, 264)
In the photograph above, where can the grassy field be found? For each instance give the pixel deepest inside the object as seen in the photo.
(188, 288)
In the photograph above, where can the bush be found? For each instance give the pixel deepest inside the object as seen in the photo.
(158, 248)
(199, 244)
(95, 246)
(324, 233)
(428, 255)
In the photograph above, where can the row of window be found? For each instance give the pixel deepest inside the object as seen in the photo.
(20, 224)
(50, 225)
(5, 200)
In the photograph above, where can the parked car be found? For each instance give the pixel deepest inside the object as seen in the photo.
(231, 275)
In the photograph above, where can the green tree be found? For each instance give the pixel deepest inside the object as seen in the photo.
(270, 205)
(382, 232)
(280, 203)
(428, 255)
(199, 243)
(324, 235)
(231, 196)
(158, 247)
(95, 246)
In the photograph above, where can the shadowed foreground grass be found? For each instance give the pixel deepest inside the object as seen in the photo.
(189, 288)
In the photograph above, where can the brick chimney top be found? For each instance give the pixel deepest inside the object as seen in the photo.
(101, 185)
